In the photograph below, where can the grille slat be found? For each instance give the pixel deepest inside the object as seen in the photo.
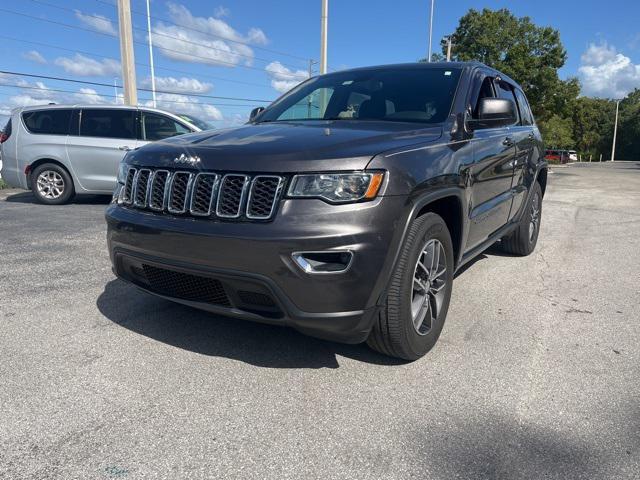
(263, 196)
(186, 286)
(204, 190)
(207, 194)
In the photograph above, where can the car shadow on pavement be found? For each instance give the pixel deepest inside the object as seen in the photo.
(209, 334)
(27, 197)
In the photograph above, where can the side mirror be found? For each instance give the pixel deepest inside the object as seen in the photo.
(255, 112)
(494, 112)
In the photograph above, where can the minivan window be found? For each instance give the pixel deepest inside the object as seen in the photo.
(391, 95)
(48, 122)
(106, 123)
(523, 106)
(158, 127)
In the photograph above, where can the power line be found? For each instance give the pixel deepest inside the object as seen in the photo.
(161, 19)
(57, 90)
(101, 84)
(98, 17)
(208, 59)
(93, 54)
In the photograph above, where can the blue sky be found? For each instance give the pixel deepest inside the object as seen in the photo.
(256, 49)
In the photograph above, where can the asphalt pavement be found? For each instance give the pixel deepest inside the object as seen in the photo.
(536, 374)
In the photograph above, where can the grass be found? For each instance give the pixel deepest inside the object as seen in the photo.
(3, 184)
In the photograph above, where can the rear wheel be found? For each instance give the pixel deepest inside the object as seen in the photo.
(524, 238)
(418, 298)
(51, 184)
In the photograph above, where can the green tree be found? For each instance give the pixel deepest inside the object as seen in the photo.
(558, 132)
(528, 53)
(592, 124)
(628, 141)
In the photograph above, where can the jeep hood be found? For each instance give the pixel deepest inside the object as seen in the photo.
(285, 146)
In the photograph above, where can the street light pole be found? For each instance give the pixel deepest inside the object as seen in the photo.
(430, 31)
(153, 74)
(126, 53)
(615, 132)
(449, 45)
(323, 37)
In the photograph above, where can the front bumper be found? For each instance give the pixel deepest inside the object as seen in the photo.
(252, 262)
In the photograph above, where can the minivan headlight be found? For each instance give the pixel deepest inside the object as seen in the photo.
(337, 187)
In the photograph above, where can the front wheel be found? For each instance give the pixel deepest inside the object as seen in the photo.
(410, 323)
(51, 184)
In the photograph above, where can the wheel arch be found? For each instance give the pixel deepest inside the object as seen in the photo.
(41, 161)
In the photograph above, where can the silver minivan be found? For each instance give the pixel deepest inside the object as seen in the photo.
(58, 151)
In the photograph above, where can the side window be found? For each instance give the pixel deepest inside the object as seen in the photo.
(49, 122)
(105, 123)
(523, 106)
(486, 91)
(158, 127)
(506, 91)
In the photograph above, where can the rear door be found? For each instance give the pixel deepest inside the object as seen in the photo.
(491, 173)
(155, 126)
(526, 144)
(95, 149)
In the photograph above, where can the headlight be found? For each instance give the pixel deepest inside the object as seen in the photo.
(122, 172)
(337, 187)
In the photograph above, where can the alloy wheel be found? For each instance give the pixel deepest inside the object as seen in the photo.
(429, 281)
(534, 222)
(50, 184)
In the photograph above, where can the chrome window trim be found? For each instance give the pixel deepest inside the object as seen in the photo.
(214, 192)
(164, 192)
(275, 198)
(243, 194)
(146, 189)
(186, 195)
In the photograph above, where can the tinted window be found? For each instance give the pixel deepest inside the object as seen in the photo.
(486, 91)
(51, 122)
(523, 106)
(395, 95)
(107, 123)
(506, 91)
(158, 127)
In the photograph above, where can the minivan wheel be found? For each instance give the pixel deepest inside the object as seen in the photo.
(524, 238)
(51, 184)
(417, 301)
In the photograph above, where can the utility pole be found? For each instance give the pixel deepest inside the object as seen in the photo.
(126, 53)
(449, 41)
(323, 37)
(615, 133)
(430, 31)
(153, 73)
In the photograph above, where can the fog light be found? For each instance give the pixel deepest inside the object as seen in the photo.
(329, 261)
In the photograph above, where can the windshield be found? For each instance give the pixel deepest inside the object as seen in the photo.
(396, 95)
(201, 124)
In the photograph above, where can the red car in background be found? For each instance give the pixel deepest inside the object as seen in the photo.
(560, 156)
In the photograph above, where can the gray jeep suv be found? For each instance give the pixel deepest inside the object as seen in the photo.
(343, 209)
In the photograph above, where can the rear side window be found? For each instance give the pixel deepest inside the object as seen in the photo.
(523, 106)
(158, 127)
(107, 123)
(49, 122)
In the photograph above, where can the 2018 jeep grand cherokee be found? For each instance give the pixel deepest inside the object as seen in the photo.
(343, 209)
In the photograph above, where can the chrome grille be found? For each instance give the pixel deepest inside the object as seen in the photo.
(204, 187)
(140, 191)
(180, 183)
(232, 192)
(158, 189)
(264, 191)
(206, 194)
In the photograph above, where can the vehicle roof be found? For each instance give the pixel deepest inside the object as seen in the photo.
(97, 106)
(471, 65)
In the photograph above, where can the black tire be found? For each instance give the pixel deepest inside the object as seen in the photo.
(394, 333)
(59, 194)
(523, 241)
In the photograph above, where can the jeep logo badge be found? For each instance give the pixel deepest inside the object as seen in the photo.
(187, 159)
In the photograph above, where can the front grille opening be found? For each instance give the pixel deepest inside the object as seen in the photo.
(186, 286)
(157, 190)
(140, 195)
(263, 196)
(231, 196)
(127, 192)
(178, 192)
(203, 193)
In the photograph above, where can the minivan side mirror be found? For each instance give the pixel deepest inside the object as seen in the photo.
(255, 112)
(493, 113)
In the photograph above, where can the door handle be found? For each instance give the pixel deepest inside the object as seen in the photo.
(508, 142)
(126, 148)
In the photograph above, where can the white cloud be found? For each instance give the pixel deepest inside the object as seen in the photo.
(186, 105)
(179, 85)
(189, 45)
(34, 56)
(221, 12)
(606, 73)
(90, 96)
(96, 22)
(88, 67)
(284, 79)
